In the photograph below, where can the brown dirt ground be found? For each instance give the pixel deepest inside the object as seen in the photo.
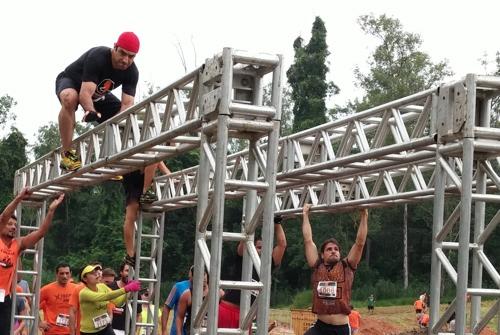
(394, 320)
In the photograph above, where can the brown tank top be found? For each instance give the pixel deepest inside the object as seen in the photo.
(332, 288)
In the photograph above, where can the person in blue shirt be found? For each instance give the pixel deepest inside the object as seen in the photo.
(172, 303)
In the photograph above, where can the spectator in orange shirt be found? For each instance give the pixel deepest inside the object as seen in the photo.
(424, 320)
(354, 320)
(11, 247)
(419, 307)
(55, 302)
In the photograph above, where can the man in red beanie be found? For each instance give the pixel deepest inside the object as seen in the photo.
(88, 82)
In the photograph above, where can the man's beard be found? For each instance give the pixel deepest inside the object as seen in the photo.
(330, 264)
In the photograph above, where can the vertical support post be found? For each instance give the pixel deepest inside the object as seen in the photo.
(250, 206)
(479, 217)
(466, 205)
(438, 216)
(268, 199)
(199, 264)
(219, 189)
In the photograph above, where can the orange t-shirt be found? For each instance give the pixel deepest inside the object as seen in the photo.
(75, 302)
(419, 304)
(8, 262)
(424, 321)
(354, 318)
(55, 303)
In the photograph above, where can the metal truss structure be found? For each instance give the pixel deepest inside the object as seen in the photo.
(438, 145)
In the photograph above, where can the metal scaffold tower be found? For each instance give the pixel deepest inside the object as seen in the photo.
(438, 145)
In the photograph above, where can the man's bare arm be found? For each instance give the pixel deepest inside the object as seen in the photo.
(310, 249)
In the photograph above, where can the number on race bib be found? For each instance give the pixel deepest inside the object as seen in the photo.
(101, 321)
(327, 289)
(62, 320)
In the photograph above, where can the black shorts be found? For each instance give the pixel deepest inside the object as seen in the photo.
(106, 331)
(133, 183)
(321, 328)
(370, 307)
(5, 314)
(108, 105)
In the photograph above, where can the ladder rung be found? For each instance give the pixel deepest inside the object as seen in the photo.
(141, 324)
(150, 236)
(24, 317)
(241, 285)
(29, 251)
(27, 272)
(23, 294)
(146, 258)
(226, 236)
(148, 280)
(29, 227)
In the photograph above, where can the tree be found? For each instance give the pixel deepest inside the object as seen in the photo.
(48, 138)
(12, 157)
(307, 78)
(397, 66)
(397, 69)
(6, 103)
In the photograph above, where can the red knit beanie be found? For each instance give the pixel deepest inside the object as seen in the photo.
(128, 41)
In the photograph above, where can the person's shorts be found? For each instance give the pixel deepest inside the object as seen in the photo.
(370, 307)
(133, 183)
(5, 313)
(108, 105)
(106, 331)
(321, 328)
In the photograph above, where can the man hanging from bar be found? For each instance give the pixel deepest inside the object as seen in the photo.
(332, 277)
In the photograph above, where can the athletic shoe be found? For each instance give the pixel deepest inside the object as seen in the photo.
(148, 197)
(70, 161)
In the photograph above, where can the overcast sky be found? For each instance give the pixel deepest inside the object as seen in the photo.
(40, 38)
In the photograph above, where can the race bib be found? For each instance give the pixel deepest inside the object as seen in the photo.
(327, 289)
(2, 295)
(62, 320)
(101, 321)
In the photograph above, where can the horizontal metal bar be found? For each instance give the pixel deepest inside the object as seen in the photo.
(250, 126)
(252, 110)
(246, 185)
(486, 197)
(241, 285)
(484, 292)
(228, 236)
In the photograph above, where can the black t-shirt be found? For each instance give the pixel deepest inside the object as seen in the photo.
(119, 311)
(95, 66)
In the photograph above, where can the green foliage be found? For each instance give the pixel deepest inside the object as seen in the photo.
(12, 157)
(307, 78)
(48, 137)
(6, 103)
(302, 299)
(397, 67)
